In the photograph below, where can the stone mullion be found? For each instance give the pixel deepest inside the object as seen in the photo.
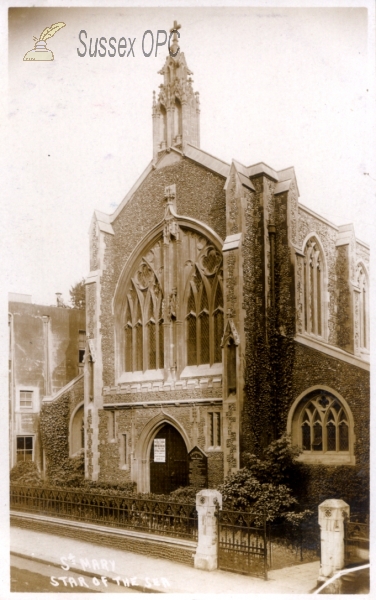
(211, 333)
(324, 434)
(198, 333)
(314, 295)
(179, 333)
(319, 293)
(134, 349)
(311, 297)
(307, 295)
(166, 324)
(145, 329)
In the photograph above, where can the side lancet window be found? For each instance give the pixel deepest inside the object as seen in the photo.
(313, 288)
(363, 307)
(324, 424)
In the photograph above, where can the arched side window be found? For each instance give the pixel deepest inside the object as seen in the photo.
(204, 312)
(77, 432)
(321, 426)
(362, 282)
(313, 288)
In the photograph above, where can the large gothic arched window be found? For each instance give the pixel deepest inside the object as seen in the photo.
(168, 307)
(313, 288)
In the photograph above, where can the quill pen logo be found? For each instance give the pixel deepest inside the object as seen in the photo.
(41, 52)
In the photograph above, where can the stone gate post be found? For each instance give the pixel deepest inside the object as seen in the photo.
(206, 556)
(332, 514)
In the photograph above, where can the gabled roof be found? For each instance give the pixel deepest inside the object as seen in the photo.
(207, 160)
(210, 162)
(133, 189)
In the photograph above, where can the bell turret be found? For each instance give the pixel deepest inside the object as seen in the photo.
(176, 111)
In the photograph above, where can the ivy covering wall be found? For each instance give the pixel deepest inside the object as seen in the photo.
(269, 356)
(54, 429)
(60, 469)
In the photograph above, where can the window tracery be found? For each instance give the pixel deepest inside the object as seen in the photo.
(204, 312)
(143, 329)
(169, 309)
(321, 426)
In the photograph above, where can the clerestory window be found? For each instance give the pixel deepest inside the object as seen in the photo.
(313, 288)
(363, 307)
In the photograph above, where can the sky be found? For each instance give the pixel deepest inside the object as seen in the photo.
(284, 86)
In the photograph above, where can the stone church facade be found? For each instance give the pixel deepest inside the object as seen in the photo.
(221, 313)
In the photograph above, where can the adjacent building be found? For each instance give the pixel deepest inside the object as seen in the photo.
(46, 356)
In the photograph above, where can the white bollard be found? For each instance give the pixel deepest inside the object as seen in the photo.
(332, 515)
(206, 556)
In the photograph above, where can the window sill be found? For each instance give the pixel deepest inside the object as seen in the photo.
(140, 376)
(215, 449)
(326, 459)
(202, 371)
(77, 453)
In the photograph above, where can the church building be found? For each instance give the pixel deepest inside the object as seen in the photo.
(220, 313)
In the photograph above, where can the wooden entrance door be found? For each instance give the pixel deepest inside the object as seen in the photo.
(168, 461)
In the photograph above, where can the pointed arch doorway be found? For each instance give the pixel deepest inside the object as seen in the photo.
(168, 461)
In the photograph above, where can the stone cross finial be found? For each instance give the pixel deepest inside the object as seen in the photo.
(174, 49)
(175, 27)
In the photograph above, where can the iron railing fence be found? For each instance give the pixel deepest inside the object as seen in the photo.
(242, 542)
(357, 536)
(174, 519)
(291, 544)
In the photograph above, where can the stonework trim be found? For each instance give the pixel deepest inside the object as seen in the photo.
(326, 458)
(186, 402)
(317, 216)
(131, 192)
(332, 351)
(149, 240)
(62, 391)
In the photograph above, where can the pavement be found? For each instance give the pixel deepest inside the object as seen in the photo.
(81, 563)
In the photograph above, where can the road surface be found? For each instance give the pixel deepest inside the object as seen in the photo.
(32, 576)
